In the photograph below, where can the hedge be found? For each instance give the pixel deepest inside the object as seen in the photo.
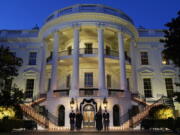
(7, 125)
(161, 123)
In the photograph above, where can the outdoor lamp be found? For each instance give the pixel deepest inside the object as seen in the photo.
(105, 102)
(72, 103)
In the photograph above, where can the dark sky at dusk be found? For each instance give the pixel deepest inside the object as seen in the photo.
(24, 14)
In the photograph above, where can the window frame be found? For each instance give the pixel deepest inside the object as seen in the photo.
(32, 60)
(30, 90)
(88, 83)
(147, 87)
(170, 90)
(144, 58)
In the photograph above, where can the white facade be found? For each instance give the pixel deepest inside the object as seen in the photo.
(104, 42)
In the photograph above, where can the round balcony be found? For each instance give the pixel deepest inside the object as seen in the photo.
(93, 52)
(96, 8)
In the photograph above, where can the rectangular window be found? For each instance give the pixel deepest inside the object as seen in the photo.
(147, 87)
(32, 58)
(108, 81)
(169, 86)
(68, 81)
(88, 79)
(108, 50)
(88, 48)
(144, 58)
(128, 85)
(69, 50)
(49, 84)
(29, 88)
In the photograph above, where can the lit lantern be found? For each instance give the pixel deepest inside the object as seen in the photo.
(105, 102)
(72, 103)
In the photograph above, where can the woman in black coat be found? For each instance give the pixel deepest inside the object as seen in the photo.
(98, 118)
(79, 119)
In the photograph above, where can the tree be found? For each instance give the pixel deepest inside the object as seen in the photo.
(172, 45)
(10, 96)
(9, 64)
(172, 41)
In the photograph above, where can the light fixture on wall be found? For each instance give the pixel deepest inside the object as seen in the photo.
(72, 103)
(105, 102)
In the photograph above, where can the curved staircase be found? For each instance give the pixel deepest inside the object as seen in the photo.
(39, 118)
(46, 123)
(135, 120)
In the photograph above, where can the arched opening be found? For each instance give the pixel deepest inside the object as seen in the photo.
(88, 115)
(61, 116)
(116, 115)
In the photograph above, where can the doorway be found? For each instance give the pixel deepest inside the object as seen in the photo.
(88, 115)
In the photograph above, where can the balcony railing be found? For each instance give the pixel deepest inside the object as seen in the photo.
(88, 92)
(95, 8)
(61, 92)
(115, 92)
(91, 51)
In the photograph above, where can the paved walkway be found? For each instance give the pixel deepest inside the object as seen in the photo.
(90, 133)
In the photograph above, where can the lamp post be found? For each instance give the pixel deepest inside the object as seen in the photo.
(72, 103)
(105, 102)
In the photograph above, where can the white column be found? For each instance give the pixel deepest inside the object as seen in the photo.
(54, 62)
(75, 78)
(123, 81)
(133, 64)
(43, 70)
(101, 65)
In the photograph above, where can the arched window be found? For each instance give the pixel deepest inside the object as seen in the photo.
(61, 116)
(116, 118)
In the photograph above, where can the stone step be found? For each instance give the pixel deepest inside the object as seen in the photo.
(92, 133)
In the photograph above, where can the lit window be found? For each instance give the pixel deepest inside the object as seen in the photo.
(88, 79)
(32, 58)
(147, 87)
(29, 88)
(165, 61)
(108, 81)
(144, 58)
(169, 86)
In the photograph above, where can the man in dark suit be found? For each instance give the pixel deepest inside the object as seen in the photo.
(106, 120)
(72, 119)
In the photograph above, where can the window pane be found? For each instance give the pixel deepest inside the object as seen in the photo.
(147, 87)
(108, 81)
(88, 80)
(68, 80)
(169, 86)
(29, 88)
(32, 58)
(88, 48)
(144, 58)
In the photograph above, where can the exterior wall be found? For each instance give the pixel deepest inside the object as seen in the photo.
(23, 42)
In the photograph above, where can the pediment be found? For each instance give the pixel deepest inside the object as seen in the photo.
(168, 71)
(146, 71)
(31, 71)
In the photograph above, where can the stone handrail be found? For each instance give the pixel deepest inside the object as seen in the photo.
(79, 8)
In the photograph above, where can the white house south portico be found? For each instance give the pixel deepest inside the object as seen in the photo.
(92, 57)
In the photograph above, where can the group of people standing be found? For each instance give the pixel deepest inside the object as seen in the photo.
(101, 120)
(75, 120)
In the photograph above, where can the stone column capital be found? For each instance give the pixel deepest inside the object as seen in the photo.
(76, 26)
(100, 26)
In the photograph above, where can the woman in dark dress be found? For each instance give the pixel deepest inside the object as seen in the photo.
(79, 119)
(98, 118)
